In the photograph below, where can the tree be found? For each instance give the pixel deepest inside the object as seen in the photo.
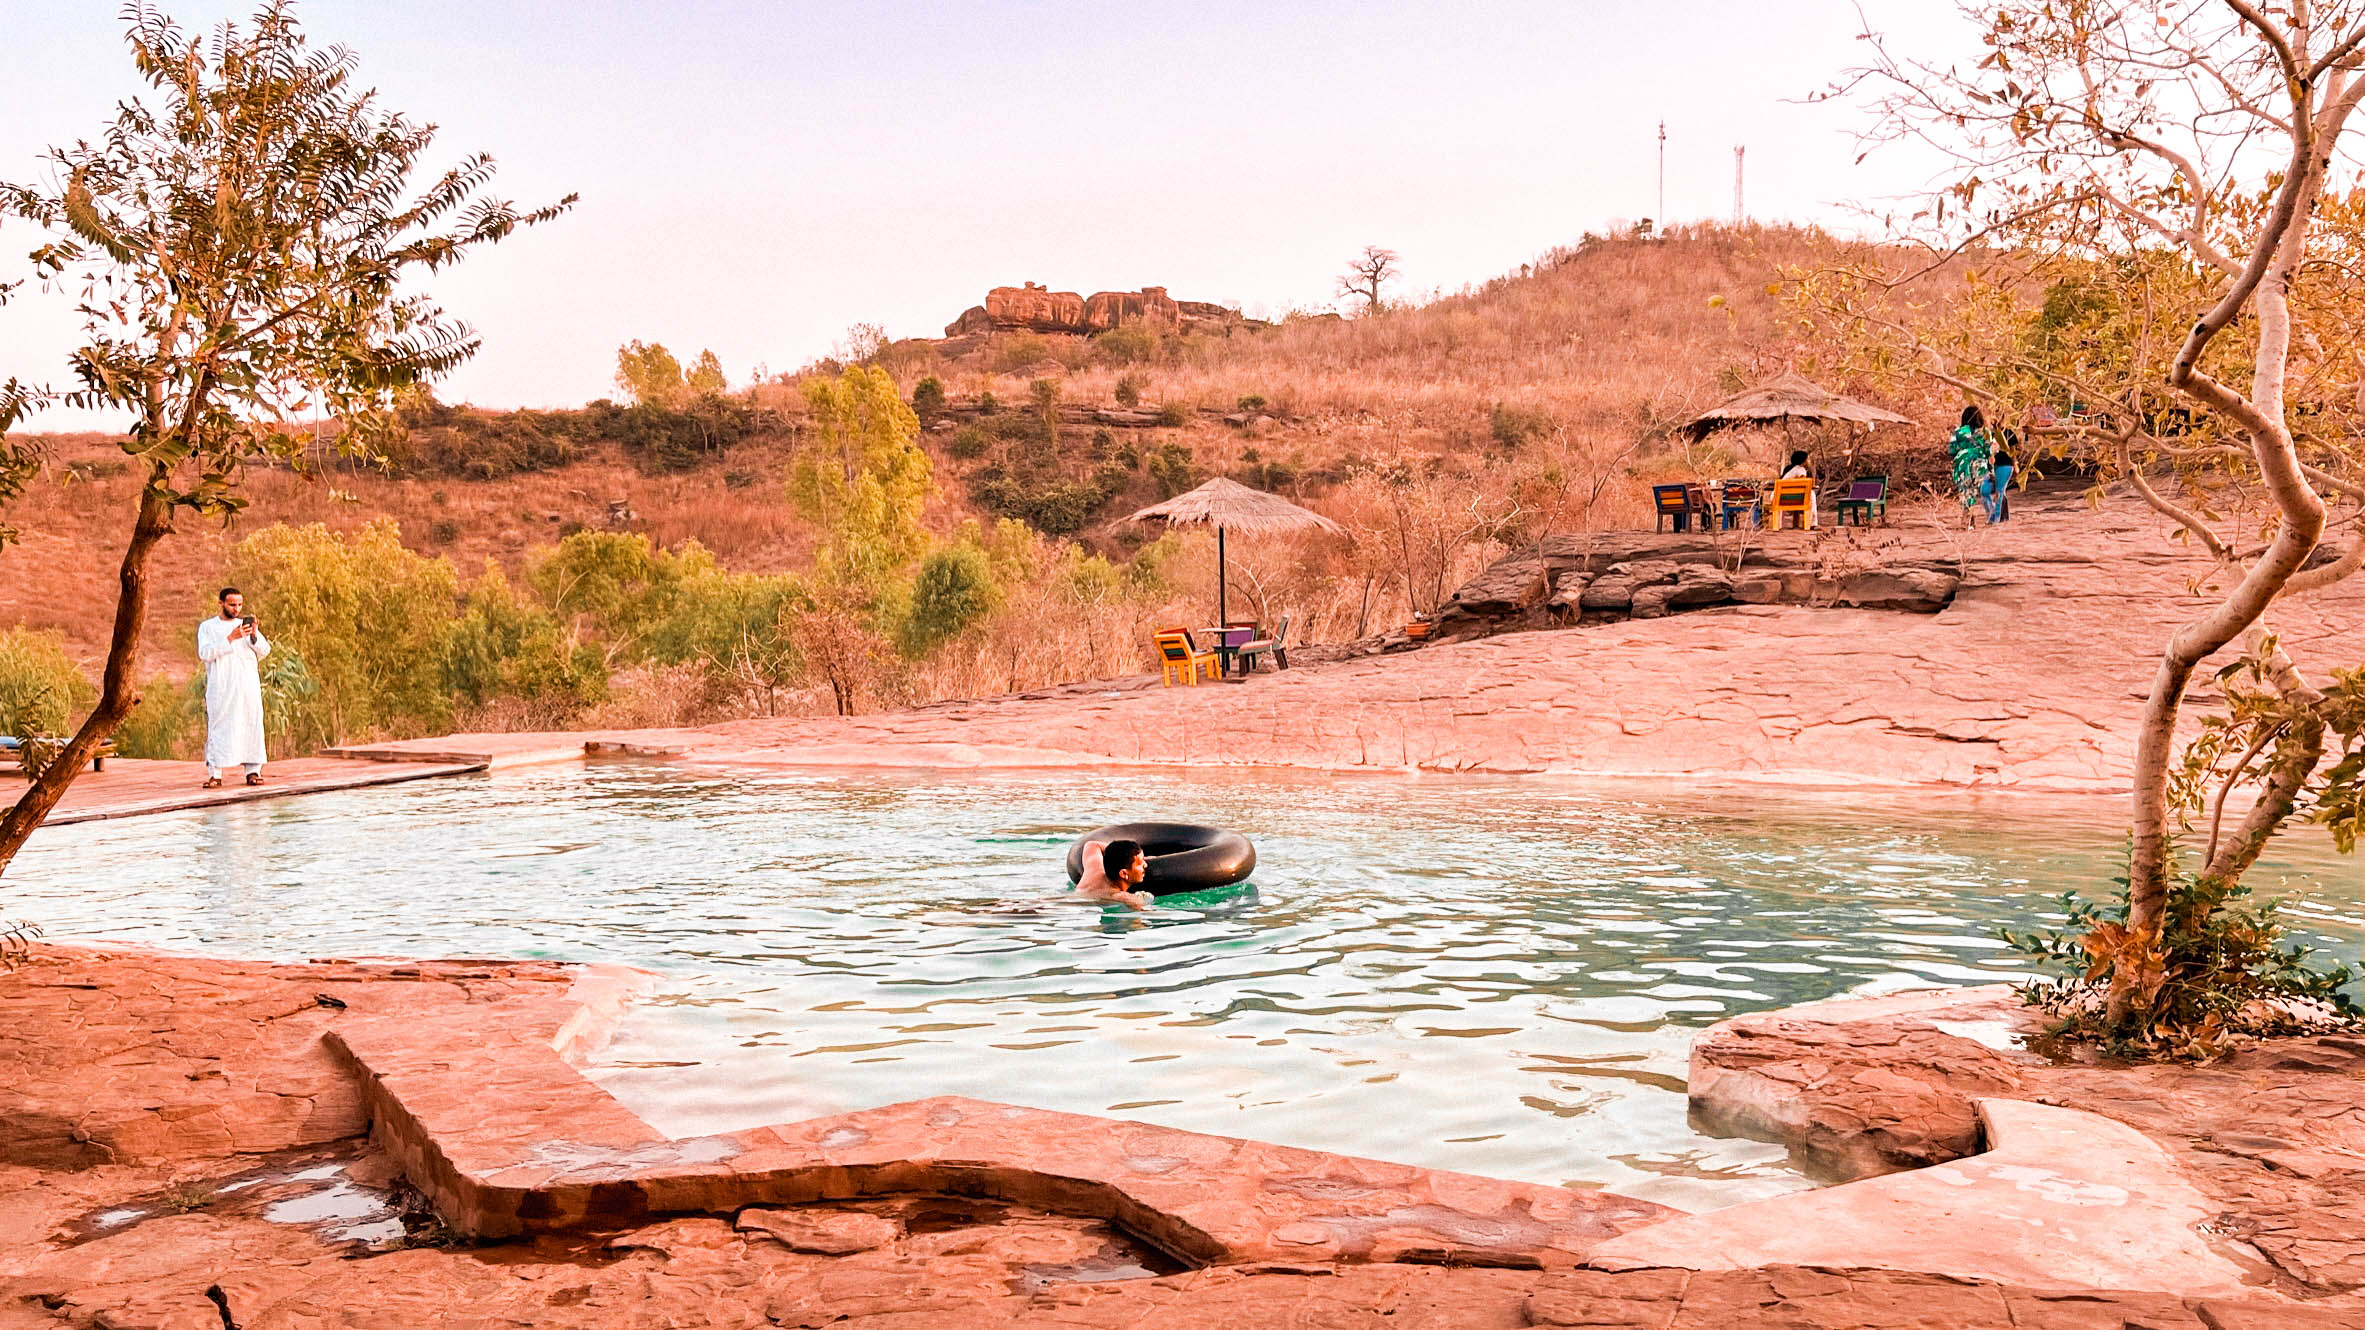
(1366, 274)
(648, 374)
(862, 477)
(240, 248)
(705, 378)
(2140, 204)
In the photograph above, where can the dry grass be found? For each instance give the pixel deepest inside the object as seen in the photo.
(1604, 348)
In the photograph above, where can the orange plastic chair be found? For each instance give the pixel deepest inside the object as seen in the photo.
(1179, 657)
(1794, 497)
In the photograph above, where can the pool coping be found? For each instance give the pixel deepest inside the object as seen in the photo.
(496, 1124)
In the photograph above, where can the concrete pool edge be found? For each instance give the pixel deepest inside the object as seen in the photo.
(152, 1064)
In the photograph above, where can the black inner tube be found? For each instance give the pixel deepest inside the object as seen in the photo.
(1182, 856)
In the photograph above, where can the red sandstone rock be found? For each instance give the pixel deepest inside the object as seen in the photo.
(828, 1232)
(69, 1020)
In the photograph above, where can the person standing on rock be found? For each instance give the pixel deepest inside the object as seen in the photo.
(232, 648)
(1999, 476)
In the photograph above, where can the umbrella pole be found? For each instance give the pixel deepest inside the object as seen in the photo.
(1221, 620)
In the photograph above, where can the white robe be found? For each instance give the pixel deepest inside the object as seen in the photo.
(233, 694)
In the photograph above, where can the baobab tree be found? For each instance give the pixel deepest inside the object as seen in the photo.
(2142, 198)
(238, 248)
(1366, 274)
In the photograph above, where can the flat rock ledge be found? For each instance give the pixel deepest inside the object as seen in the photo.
(145, 1098)
(1972, 1154)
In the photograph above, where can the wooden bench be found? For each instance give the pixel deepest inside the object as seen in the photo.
(12, 748)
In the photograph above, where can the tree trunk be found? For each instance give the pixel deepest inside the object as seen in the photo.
(116, 695)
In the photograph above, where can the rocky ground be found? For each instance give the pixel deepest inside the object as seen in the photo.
(180, 1147)
(2273, 1135)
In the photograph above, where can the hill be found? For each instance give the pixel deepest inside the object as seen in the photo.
(1538, 400)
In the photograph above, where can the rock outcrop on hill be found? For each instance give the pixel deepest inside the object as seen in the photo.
(1034, 308)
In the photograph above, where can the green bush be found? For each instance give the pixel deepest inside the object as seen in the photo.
(493, 445)
(1252, 402)
(1128, 345)
(1041, 497)
(953, 589)
(168, 723)
(928, 399)
(968, 443)
(1129, 390)
(1174, 415)
(1174, 469)
(2223, 961)
(365, 615)
(738, 628)
(42, 690)
(504, 646)
(1020, 351)
(293, 717)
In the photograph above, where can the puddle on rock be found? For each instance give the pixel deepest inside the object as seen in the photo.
(343, 1197)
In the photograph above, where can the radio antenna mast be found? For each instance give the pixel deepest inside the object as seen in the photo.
(1738, 214)
(1659, 219)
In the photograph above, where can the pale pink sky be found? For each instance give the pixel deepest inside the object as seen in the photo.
(758, 177)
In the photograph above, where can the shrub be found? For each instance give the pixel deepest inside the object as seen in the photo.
(443, 531)
(737, 628)
(42, 690)
(166, 724)
(1053, 504)
(1129, 390)
(1514, 427)
(1127, 345)
(928, 399)
(953, 589)
(1043, 395)
(2223, 968)
(740, 480)
(988, 404)
(1252, 402)
(1174, 469)
(1174, 415)
(1020, 351)
(293, 716)
(968, 443)
(367, 616)
(617, 580)
(504, 646)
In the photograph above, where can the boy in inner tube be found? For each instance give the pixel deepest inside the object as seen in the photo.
(1110, 868)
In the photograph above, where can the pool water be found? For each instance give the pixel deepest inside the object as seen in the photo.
(1496, 975)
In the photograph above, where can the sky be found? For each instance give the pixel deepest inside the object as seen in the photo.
(756, 178)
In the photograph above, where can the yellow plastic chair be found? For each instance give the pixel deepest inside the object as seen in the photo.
(1794, 497)
(1179, 657)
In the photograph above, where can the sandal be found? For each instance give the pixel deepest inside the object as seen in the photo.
(254, 778)
(213, 782)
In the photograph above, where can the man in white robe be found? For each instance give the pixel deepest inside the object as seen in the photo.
(232, 648)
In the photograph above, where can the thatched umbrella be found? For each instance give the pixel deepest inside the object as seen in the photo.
(1786, 399)
(1230, 505)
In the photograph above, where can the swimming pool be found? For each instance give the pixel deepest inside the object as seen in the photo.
(1495, 975)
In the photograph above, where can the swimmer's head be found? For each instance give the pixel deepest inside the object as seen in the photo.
(1122, 861)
